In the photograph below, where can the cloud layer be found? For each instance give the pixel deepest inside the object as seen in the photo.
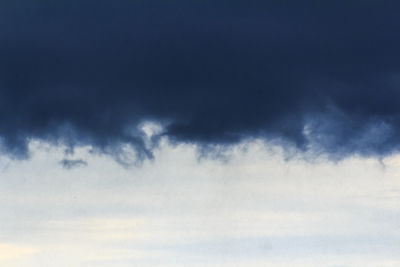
(321, 76)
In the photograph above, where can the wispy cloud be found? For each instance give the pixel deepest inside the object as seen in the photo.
(73, 163)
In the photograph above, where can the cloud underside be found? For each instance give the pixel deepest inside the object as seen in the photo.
(321, 77)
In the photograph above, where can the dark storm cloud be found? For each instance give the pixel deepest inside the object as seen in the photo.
(322, 76)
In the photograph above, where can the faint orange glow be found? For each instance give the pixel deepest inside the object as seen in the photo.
(8, 252)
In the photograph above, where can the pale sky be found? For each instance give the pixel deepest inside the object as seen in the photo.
(253, 207)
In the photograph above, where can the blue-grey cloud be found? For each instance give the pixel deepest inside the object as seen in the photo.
(72, 163)
(322, 76)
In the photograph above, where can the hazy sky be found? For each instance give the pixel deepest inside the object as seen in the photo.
(253, 208)
(199, 133)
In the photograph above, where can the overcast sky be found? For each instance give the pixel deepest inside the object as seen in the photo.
(199, 133)
(253, 208)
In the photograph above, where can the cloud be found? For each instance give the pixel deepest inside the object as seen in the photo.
(69, 164)
(320, 76)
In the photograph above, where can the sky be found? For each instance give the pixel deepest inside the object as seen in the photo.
(199, 133)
